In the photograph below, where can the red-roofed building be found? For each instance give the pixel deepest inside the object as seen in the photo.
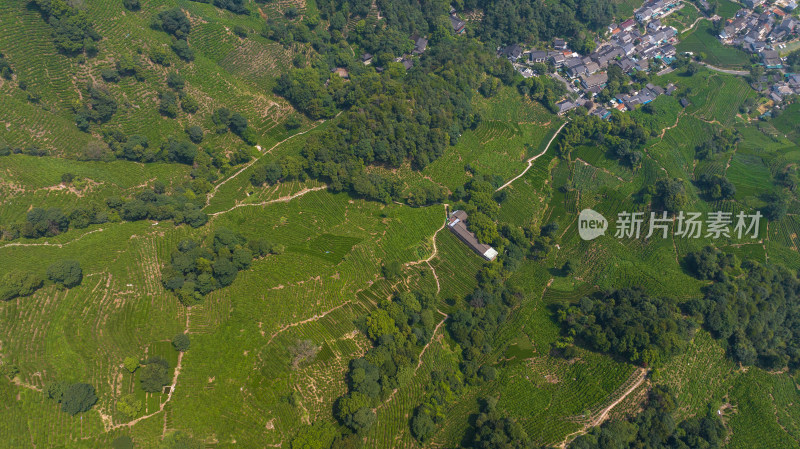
(627, 25)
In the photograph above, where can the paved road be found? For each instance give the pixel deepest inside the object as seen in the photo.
(728, 71)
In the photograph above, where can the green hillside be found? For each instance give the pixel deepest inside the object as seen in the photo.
(210, 238)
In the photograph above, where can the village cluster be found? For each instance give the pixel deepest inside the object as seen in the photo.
(633, 46)
(644, 43)
(763, 32)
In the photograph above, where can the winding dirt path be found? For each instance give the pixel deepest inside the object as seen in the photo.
(530, 161)
(693, 23)
(641, 375)
(433, 254)
(249, 164)
(57, 245)
(283, 199)
(307, 320)
(433, 239)
(664, 131)
(728, 71)
(433, 338)
(108, 422)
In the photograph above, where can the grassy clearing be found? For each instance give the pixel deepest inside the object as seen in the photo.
(703, 40)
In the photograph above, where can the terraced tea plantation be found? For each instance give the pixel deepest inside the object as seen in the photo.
(220, 228)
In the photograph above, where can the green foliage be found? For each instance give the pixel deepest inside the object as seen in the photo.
(711, 263)
(78, 398)
(168, 104)
(398, 327)
(181, 342)
(189, 104)
(757, 315)
(123, 441)
(235, 6)
(622, 134)
(160, 56)
(131, 364)
(716, 187)
(72, 30)
(319, 435)
(195, 133)
(777, 205)
(175, 81)
(269, 174)
(18, 283)
(628, 323)
(45, 222)
(494, 431)
(154, 375)
(443, 389)
(128, 65)
(379, 323)
(722, 141)
(55, 390)
(179, 151)
(129, 405)
(181, 48)
(793, 61)
(240, 31)
(670, 195)
(101, 107)
(131, 5)
(520, 21)
(195, 270)
(474, 326)
(8, 370)
(173, 21)
(110, 75)
(428, 111)
(66, 272)
(5, 68)
(392, 270)
(544, 89)
(180, 440)
(655, 428)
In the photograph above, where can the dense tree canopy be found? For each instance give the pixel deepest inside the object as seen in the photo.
(627, 322)
(72, 30)
(155, 375)
(756, 315)
(398, 327)
(514, 21)
(390, 118)
(195, 269)
(65, 272)
(711, 263)
(492, 430)
(655, 428)
(18, 283)
(78, 398)
(173, 21)
(181, 342)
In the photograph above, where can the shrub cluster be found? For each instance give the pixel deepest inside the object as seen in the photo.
(399, 328)
(72, 30)
(196, 269)
(74, 398)
(628, 323)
